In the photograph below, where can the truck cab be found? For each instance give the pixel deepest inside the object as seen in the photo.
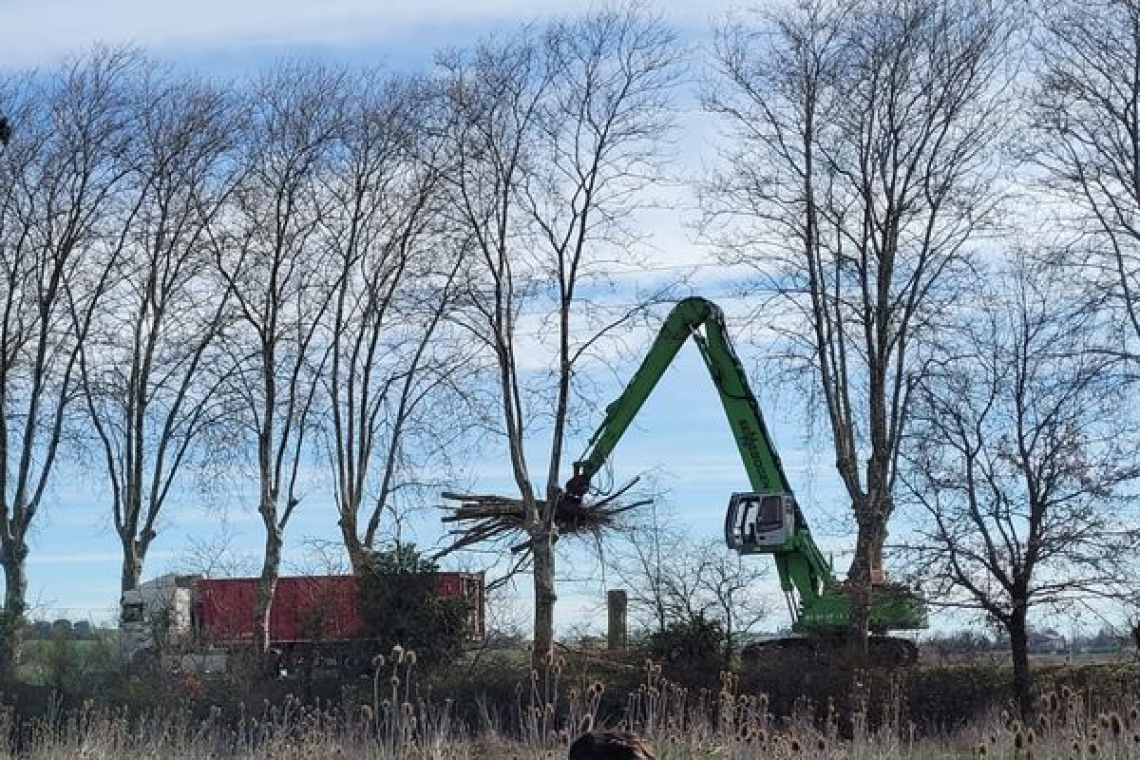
(155, 615)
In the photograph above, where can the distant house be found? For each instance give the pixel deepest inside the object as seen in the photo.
(1046, 641)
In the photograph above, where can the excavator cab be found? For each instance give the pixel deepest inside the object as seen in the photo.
(759, 522)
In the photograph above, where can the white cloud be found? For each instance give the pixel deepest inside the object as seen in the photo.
(36, 32)
(38, 559)
(73, 558)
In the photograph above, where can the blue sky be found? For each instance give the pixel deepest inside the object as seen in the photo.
(681, 437)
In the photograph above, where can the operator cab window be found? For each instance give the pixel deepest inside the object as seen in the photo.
(759, 521)
(769, 512)
(761, 514)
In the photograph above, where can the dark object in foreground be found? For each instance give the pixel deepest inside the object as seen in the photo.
(5, 130)
(610, 745)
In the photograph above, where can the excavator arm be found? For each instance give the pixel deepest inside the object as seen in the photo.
(685, 321)
(766, 520)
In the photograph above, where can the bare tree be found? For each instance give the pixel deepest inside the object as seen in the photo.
(61, 172)
(216, 555)
(145, 370)
(392, 413)
(1021, 457)
(644, 568)
(272, 261)
(857, 169)
(1085, 135)
(673, 578)
(556, 134)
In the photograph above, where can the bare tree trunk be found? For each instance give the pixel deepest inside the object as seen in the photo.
(14, 560)
(1018, 630)
(542, 548)
(267, 504)
(866, 565)
(353, 546)
(134, 555)
(266, 586)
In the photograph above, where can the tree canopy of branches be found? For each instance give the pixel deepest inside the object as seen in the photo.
(1020, 458)
(1085, 135)
(858, 166)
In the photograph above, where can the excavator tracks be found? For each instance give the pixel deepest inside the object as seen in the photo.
(822, 651)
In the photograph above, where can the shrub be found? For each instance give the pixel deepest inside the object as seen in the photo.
(399, 606)
(690, 652)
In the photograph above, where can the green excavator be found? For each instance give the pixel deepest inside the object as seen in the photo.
(767, 519)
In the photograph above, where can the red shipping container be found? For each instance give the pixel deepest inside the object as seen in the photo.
(305, 608)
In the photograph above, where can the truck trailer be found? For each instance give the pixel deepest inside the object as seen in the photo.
(196, 623)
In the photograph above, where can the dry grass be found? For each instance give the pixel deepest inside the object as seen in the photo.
(725, 724)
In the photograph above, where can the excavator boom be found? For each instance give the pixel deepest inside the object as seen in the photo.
(686, 320)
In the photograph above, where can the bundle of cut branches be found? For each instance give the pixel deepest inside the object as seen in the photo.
(485, 518)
